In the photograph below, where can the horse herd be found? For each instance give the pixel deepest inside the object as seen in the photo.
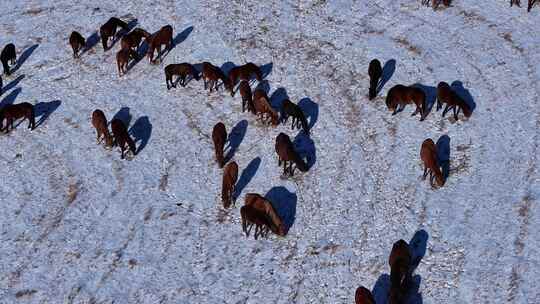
(435, 3)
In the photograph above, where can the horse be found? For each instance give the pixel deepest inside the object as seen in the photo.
(1, 85)
(399, 96)
(247, 96)
(211, 74)
(219, 137)
(244, 72)
(108, 30)
(516, 2)
(375, 74)
(122, 138)
(162, 37)
(435, 3)
(428, 154)
(122, 59)
(182, 70)
(400, 261)
(77, 42)
(262, 106)
(8, 55)
(99, 121)
(133, 39)
(453, 101)
(363, 296)
(262, 204)
(251, 216)
(13, 112)
(530, 5)
(286, 153)
(298, 117)
(230, 176)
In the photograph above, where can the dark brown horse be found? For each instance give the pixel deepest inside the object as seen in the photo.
(287, 154)
(182, 70)
(263, 109)
(122, 138)
(251, 216)
(435, 3)
(375, 74)
(453, 101)
(99, 121)
(211, 74)
(399, 96)
(133, 39)
(108, 30)
(400, 261)
(530, 5)
(219, 136)
(12, 112)
(516, 2)
(262, 204)
(7, 56)
(122, 59)
(77, 42)
(247, 96)
(230, 176)
(162, 37)
(243, 72)
(363, 296)
(428, 154)
(298, 117)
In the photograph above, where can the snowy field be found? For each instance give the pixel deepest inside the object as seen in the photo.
(80, 225)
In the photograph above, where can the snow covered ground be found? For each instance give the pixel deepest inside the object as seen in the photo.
(79, 225)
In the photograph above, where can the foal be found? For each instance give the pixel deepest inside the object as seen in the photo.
(99, 121)
(108, 30)
(122, 138)
(211, 74)
(363, 296)
(263, 108)
(133, 39)
(243, 72)
(182, 70)
(230, 176)
(262, 204)
(286, 153)
(247, 96)
(298, 117)
(162, 37)
(375, 74)
(251, 216)
(428, 154)
(453, 101)
(122, 59)
(7, 56)
(77, 42)
(219, 136)
(399, 96)
(13, 112)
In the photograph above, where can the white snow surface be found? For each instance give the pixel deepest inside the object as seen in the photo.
(80, 225)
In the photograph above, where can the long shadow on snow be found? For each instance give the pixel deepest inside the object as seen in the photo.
(12, 84)
(443, 154)
(305, 147)
(431, 96)
(124, 116)
(277, 98)
(44, 109)
(387, 73)
(24, 56)
(238, 132)
(311, 111)
(247, 175)
(457, 86)
(10, 98)
(141, 131)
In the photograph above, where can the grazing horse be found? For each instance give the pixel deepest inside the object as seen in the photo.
(244, 72)
(133, 39)
(13, 112)
(108, 30)
(251, 216)
(530, 5)
(375, 74)
(219, 136)
(162, 37)
(286, 153)
(182, 70)
(262, 106)
(247, 96)
(428, 154)
(400, 261)
(8, 55)
(363, 296)
(99, 121)
(122, 59)
(262, 204)
(122, 138)
(435, 3)
(298, 117)
(77, 42)
(230, 176)
(453, 101)
(211, 74)
(399, 96)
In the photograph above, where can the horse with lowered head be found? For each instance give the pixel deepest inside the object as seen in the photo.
(453, 101)
(162, 37)
(99, 121)
(219, 137)
(122, 138)
(263, 109)
(230, 176)
(7, 56)
(298, 118)
(108, 30)
(77, 42)
(133, 39)
(211, 74)
(182, 70)
(260, 203)
(428, 154)
(244, 72)
(12, 112)
(251, 216)
(287, 154)
(399, 96)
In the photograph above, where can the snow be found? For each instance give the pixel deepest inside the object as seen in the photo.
(80, 225)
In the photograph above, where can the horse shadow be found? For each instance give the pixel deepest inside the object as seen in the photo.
(387, 73)
(266, 69)
(431, 96)
(44, 109)
(238, 132)
(443, 154)
(263, 85)
(24, 56)
(305, 147)
(284, 202)
(277, 98)
(310, 109)
(227, 67)
(91, 42)
(381, 290)
(418, 245)
(181, 37)
(10, 98)
(124, 116)
(247, 175)
(141, 130)
(12, 84)
(457, 86)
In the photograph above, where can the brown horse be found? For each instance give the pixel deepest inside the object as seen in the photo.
(247, 96)
(219, 136)
(7, 56)
(12, 112)
(251, 216)
(77, 42)
(211, 74)
(99, 121)
(530, 5)
(298, 117)
(122, 138)
(162, 37)
(399, 96)
(428, 154)
(375, 74)
(435, 3)
(453, 101)
(262, 106)
(262, 204)
(400, 261)
(122, 59)
(133, 39)
(108, 30)
(363, 296)
(230, 176)
(287, 154)
(516, 2)
(244, 72)
(182, 70)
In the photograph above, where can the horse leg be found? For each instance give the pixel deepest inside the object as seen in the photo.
(456, 111)
(425, 172)
(445, 110)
